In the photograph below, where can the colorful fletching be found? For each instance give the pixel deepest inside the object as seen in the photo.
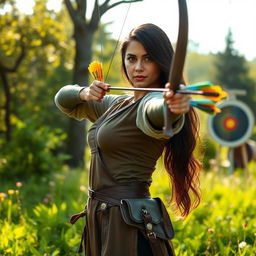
(217, 89)
(96, 70)
(205, 105)
(199, 86)
(203, 101)
(209, 87)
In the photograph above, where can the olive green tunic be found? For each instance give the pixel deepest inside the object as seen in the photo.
(129, 148)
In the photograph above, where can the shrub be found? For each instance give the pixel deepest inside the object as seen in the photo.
(31, 151)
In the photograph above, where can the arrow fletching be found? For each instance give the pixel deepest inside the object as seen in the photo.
(208, 87)
(205, 105)
(216, 89)
(199, 86)
(96, 71)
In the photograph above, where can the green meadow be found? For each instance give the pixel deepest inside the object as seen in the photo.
(35, 214)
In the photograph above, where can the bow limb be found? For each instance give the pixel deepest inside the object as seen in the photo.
(177, 65)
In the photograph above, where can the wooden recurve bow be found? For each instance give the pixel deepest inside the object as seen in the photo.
(177, 65)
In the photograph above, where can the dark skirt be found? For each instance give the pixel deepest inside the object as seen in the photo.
(144, 248)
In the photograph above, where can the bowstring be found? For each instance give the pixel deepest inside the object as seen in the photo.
(101, 46)
(118, 40)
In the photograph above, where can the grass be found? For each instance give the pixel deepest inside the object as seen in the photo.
(34, 214)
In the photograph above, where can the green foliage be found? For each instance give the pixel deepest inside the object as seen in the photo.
(41, 227)
(32, 151)
(224, 223)
(252, 67)
(233, 73)
(209, 152)
(199, 67)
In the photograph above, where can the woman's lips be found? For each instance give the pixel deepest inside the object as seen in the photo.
(139, 78)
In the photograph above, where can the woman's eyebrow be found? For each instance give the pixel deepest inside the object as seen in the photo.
(133, 55)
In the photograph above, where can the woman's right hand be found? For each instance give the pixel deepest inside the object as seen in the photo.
(95, 92)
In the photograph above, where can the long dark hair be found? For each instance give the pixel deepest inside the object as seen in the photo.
(180, 163)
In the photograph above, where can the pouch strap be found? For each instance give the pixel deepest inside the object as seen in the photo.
(73, 220)
(153, 240)
(77, 216)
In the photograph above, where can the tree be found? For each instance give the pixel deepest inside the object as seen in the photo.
(30, 46)
(13, 51)
(233, 72)
(84, 31)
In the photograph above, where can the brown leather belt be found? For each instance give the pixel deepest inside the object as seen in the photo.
(114, 195)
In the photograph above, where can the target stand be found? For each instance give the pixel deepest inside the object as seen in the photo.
(232, 127)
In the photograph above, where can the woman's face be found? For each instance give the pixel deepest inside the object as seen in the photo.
(141, 70)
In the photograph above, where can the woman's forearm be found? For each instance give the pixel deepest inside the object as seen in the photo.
(155, 114)
(68, 96)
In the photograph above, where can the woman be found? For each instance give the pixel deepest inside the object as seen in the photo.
(126, 140)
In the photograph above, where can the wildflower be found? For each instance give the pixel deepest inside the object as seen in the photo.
(51, 183)
(19, 184)
(59, 176)
(46, 200)
(11, 191)
(2, 196)
(211, 230)
(245, 225)
(242, 244)
(229, 217)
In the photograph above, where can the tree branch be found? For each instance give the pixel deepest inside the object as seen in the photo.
(81, 8)
(17, 62)
(105, 7)
(71, 10)
(96, 14)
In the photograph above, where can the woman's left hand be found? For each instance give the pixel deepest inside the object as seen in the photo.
(177, 103)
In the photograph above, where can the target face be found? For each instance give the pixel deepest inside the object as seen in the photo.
(233, 126)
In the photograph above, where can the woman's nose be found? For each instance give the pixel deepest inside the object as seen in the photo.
(139, 65)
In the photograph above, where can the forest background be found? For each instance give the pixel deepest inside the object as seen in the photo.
(43, 168)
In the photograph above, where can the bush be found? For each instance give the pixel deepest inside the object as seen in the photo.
(209, 152)
(31, 151)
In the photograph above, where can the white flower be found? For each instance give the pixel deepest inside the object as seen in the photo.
(242, 244)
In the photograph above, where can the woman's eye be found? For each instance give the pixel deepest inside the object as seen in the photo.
(147, 59)
(131, 59)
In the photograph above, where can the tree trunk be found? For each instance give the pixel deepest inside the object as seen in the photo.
(83, 35)
(77, 133)
(7, 106)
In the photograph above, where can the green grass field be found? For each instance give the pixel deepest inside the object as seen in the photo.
(34, 215)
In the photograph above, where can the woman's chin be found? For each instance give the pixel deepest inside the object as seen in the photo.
(139, 85)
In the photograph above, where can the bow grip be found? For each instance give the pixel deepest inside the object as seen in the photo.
(167, 122)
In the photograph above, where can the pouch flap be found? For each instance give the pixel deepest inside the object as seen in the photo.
(135, 206)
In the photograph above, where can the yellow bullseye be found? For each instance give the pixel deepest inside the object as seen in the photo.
(230, 123)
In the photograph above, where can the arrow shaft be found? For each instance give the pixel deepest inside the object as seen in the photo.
(184, 91)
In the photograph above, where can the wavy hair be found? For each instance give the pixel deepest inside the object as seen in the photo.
(183, 168)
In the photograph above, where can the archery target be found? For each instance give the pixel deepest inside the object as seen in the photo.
(233, 126)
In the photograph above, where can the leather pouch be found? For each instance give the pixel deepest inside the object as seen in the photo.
(134, 210)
